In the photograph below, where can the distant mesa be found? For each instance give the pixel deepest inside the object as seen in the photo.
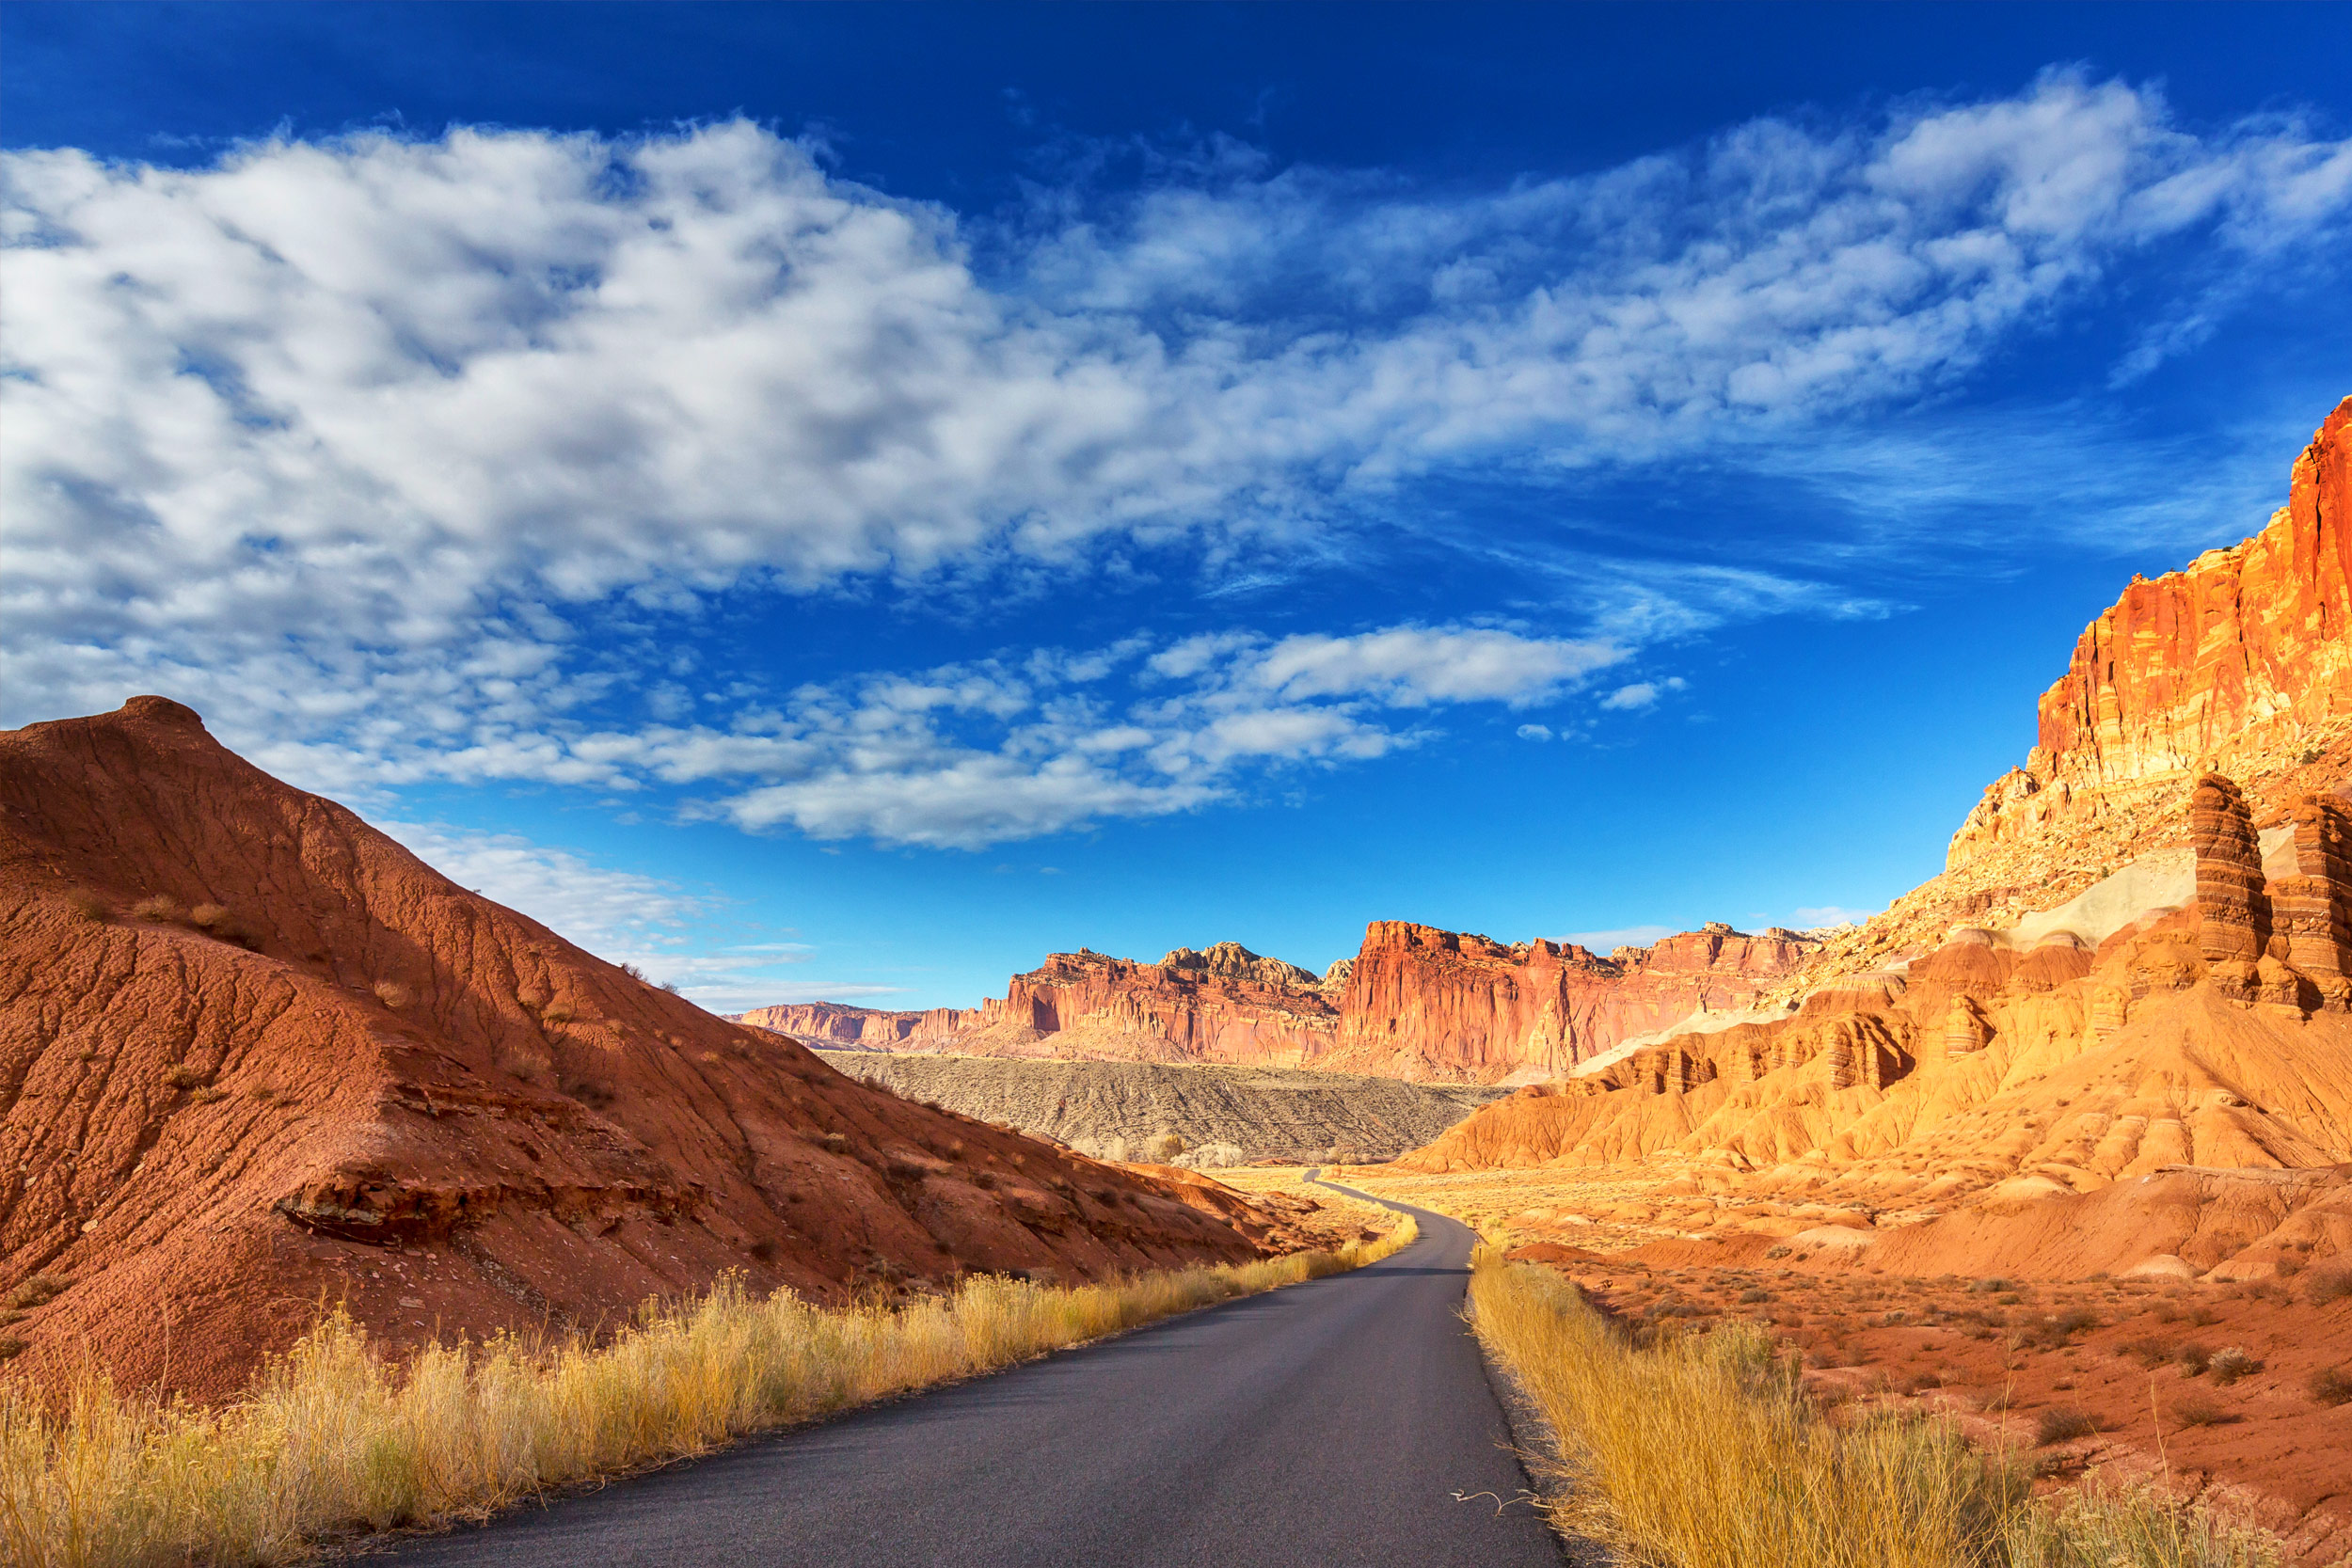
(1414, 1002)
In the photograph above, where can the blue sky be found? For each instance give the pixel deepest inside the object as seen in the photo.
(840, 502)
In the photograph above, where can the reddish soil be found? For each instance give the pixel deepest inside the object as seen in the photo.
(2123, 1374)
(256, 1057)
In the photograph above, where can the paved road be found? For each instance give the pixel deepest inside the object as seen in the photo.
(1327, 1425)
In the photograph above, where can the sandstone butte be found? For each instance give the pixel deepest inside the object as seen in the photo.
(2186, 1007)
(1415, 1003)
(256, 1056)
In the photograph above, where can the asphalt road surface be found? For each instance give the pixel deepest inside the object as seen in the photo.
(1342, 1423)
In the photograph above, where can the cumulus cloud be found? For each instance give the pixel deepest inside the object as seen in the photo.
(366, 440)
(1533, 732)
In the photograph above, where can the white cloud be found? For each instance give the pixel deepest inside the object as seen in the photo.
(361, 445)
(977, 754)
(1533, 732)
(1639, 695)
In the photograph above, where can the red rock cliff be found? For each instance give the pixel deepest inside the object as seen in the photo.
(1223, 1005)
(1416, 1003)
(1428, 1003)
(2242, 661)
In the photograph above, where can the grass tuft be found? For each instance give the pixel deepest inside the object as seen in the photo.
(2062, 1426)
(1705, 1452)
(2330, 1386)
(333, 1439)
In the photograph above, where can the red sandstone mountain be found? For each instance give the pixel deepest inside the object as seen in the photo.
(255, 1056)
(2208, 1028)
(1414, 1002)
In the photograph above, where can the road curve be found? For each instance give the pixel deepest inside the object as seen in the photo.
(1325, 1425)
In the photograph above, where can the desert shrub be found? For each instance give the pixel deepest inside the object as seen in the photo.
(1163, 1147)
(87, 905)
(2193, 1359)
(1778, 1249)
(2232, 1364)
(2330, 1386)
(208, 1095)
(2330, 1284)
(985, 1181)
(559, 1013)
(184, 1077)
(2200, 1410)
(37, 1291)
(1991, 1287)
(2062, 1426)
(2202, 1316)
(208, 915)
(1750, 1296)
(2149, 1351)
(11, 1346)
(392, 993)
(156, 906)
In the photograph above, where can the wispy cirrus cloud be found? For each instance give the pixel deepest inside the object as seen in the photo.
(970, 754)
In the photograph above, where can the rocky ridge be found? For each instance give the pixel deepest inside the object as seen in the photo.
(255, 1056)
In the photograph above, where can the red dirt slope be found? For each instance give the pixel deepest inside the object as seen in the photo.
(255, 1056)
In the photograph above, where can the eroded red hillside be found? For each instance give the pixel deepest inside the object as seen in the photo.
(256, 1056)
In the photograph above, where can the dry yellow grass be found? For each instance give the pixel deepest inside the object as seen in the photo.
(1702, 1452)
(332, 1439)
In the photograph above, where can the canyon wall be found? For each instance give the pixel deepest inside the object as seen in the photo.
(2238, 661)
(1415, 1003)
(2241, 662)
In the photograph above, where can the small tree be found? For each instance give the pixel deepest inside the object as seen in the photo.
(1163, 1147)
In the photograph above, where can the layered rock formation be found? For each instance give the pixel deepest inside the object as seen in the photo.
(2239, 661)
(1114, 1110)
(1415, 1003)
(2240, 664)
(1422, 1002)
(1224, 1004)
(255, 1056)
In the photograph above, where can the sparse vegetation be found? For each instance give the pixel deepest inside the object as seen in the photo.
(2062, 1426)
(184, 1077)
(2198, 1410)
(37, 1291)
(333, 1438)
(2330, 1386)
(392, 994)
(158, 906)
(2232, 1364)
(1705, 1452)
(87, 905)
(2330, 1284)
